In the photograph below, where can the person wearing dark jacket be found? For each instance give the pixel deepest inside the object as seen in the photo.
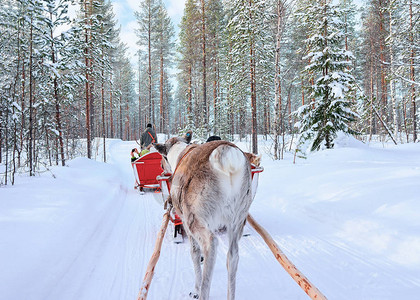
(213, 138)
(148, 137)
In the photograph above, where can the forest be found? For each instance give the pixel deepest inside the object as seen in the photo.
(294, 71)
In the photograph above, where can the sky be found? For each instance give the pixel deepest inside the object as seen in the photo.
(124, 13)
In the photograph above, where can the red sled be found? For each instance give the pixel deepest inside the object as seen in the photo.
(146, 168)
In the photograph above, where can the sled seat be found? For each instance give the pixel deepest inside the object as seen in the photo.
(146, 168)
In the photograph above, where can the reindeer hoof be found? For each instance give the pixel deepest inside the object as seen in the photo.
(194, 295)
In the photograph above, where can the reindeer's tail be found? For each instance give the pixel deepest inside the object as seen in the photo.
(228, 160)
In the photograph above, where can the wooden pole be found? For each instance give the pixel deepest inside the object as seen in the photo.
(300, 279)
(153, 260)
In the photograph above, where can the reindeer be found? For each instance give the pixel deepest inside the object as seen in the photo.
(211, 190)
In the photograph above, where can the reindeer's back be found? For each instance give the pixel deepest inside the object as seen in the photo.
(213, 185)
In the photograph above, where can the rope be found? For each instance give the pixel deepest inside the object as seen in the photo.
(300, 279)
(154, 259)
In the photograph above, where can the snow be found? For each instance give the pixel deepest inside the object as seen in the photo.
(348, 218)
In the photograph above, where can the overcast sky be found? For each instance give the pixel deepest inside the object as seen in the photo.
(124, 12)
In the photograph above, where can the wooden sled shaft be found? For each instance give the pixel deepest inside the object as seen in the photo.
(300, 279)
(153, 260)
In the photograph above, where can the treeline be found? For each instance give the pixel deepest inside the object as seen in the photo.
(270, 67)
(246, 66)
(62, 82)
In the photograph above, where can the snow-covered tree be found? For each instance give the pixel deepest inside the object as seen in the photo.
(330, 64)
(164, 45)
(147, 19)
(250, 60)
(188, 64)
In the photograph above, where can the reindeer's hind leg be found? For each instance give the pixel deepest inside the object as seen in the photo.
(196, 258)
(209, 246)
(233, 259)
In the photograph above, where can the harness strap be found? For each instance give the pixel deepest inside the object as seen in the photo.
(179, 162)
(153, 139)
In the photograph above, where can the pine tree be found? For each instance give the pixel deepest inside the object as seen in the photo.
(165, 50)
(189, 49)
(215, 22)
(250, 60)
(147, 19)
(329, 111)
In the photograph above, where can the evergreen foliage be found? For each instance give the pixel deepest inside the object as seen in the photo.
(329, 65)
(241, 68)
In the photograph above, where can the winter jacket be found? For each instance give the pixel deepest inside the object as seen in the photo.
(148, 137)
(177, 220)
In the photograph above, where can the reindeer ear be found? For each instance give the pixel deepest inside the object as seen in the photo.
(257, 160)
(161, 148)
(188, 136)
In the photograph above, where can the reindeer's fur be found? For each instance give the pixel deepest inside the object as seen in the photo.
(211, 191)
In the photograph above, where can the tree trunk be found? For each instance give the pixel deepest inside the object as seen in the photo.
(203, 33)
(87, 85)
(162, 115)
(103, 110)
(189, 105)
(127, 122)
(371, 90)
(412, 77)
(278, 100)
(22, 105)
(253, 87)
(384, 92)
(149, 71)
(391, 81)
(215, 93)
(253, 101)
(111, 111)
(30, 137)
(121, 116)
(57, 103)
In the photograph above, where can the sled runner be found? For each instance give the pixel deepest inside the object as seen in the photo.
(146, 168)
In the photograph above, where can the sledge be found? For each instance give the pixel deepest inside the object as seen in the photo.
(179, 239)
(146, 168)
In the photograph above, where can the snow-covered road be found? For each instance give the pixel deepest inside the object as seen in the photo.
(349, 219)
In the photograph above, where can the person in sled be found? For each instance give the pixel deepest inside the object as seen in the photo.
(213, 138)
(148, 137)
(134, 154)
(146, 150)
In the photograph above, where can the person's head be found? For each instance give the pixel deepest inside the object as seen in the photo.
(213, 138)
(149, 125)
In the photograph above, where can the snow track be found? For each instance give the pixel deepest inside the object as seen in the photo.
(89, 235)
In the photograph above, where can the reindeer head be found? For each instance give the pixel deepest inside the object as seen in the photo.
(171, 149)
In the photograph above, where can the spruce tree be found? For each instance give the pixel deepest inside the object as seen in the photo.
(329, 63)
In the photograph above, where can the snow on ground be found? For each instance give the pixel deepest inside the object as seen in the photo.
(348, 218)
